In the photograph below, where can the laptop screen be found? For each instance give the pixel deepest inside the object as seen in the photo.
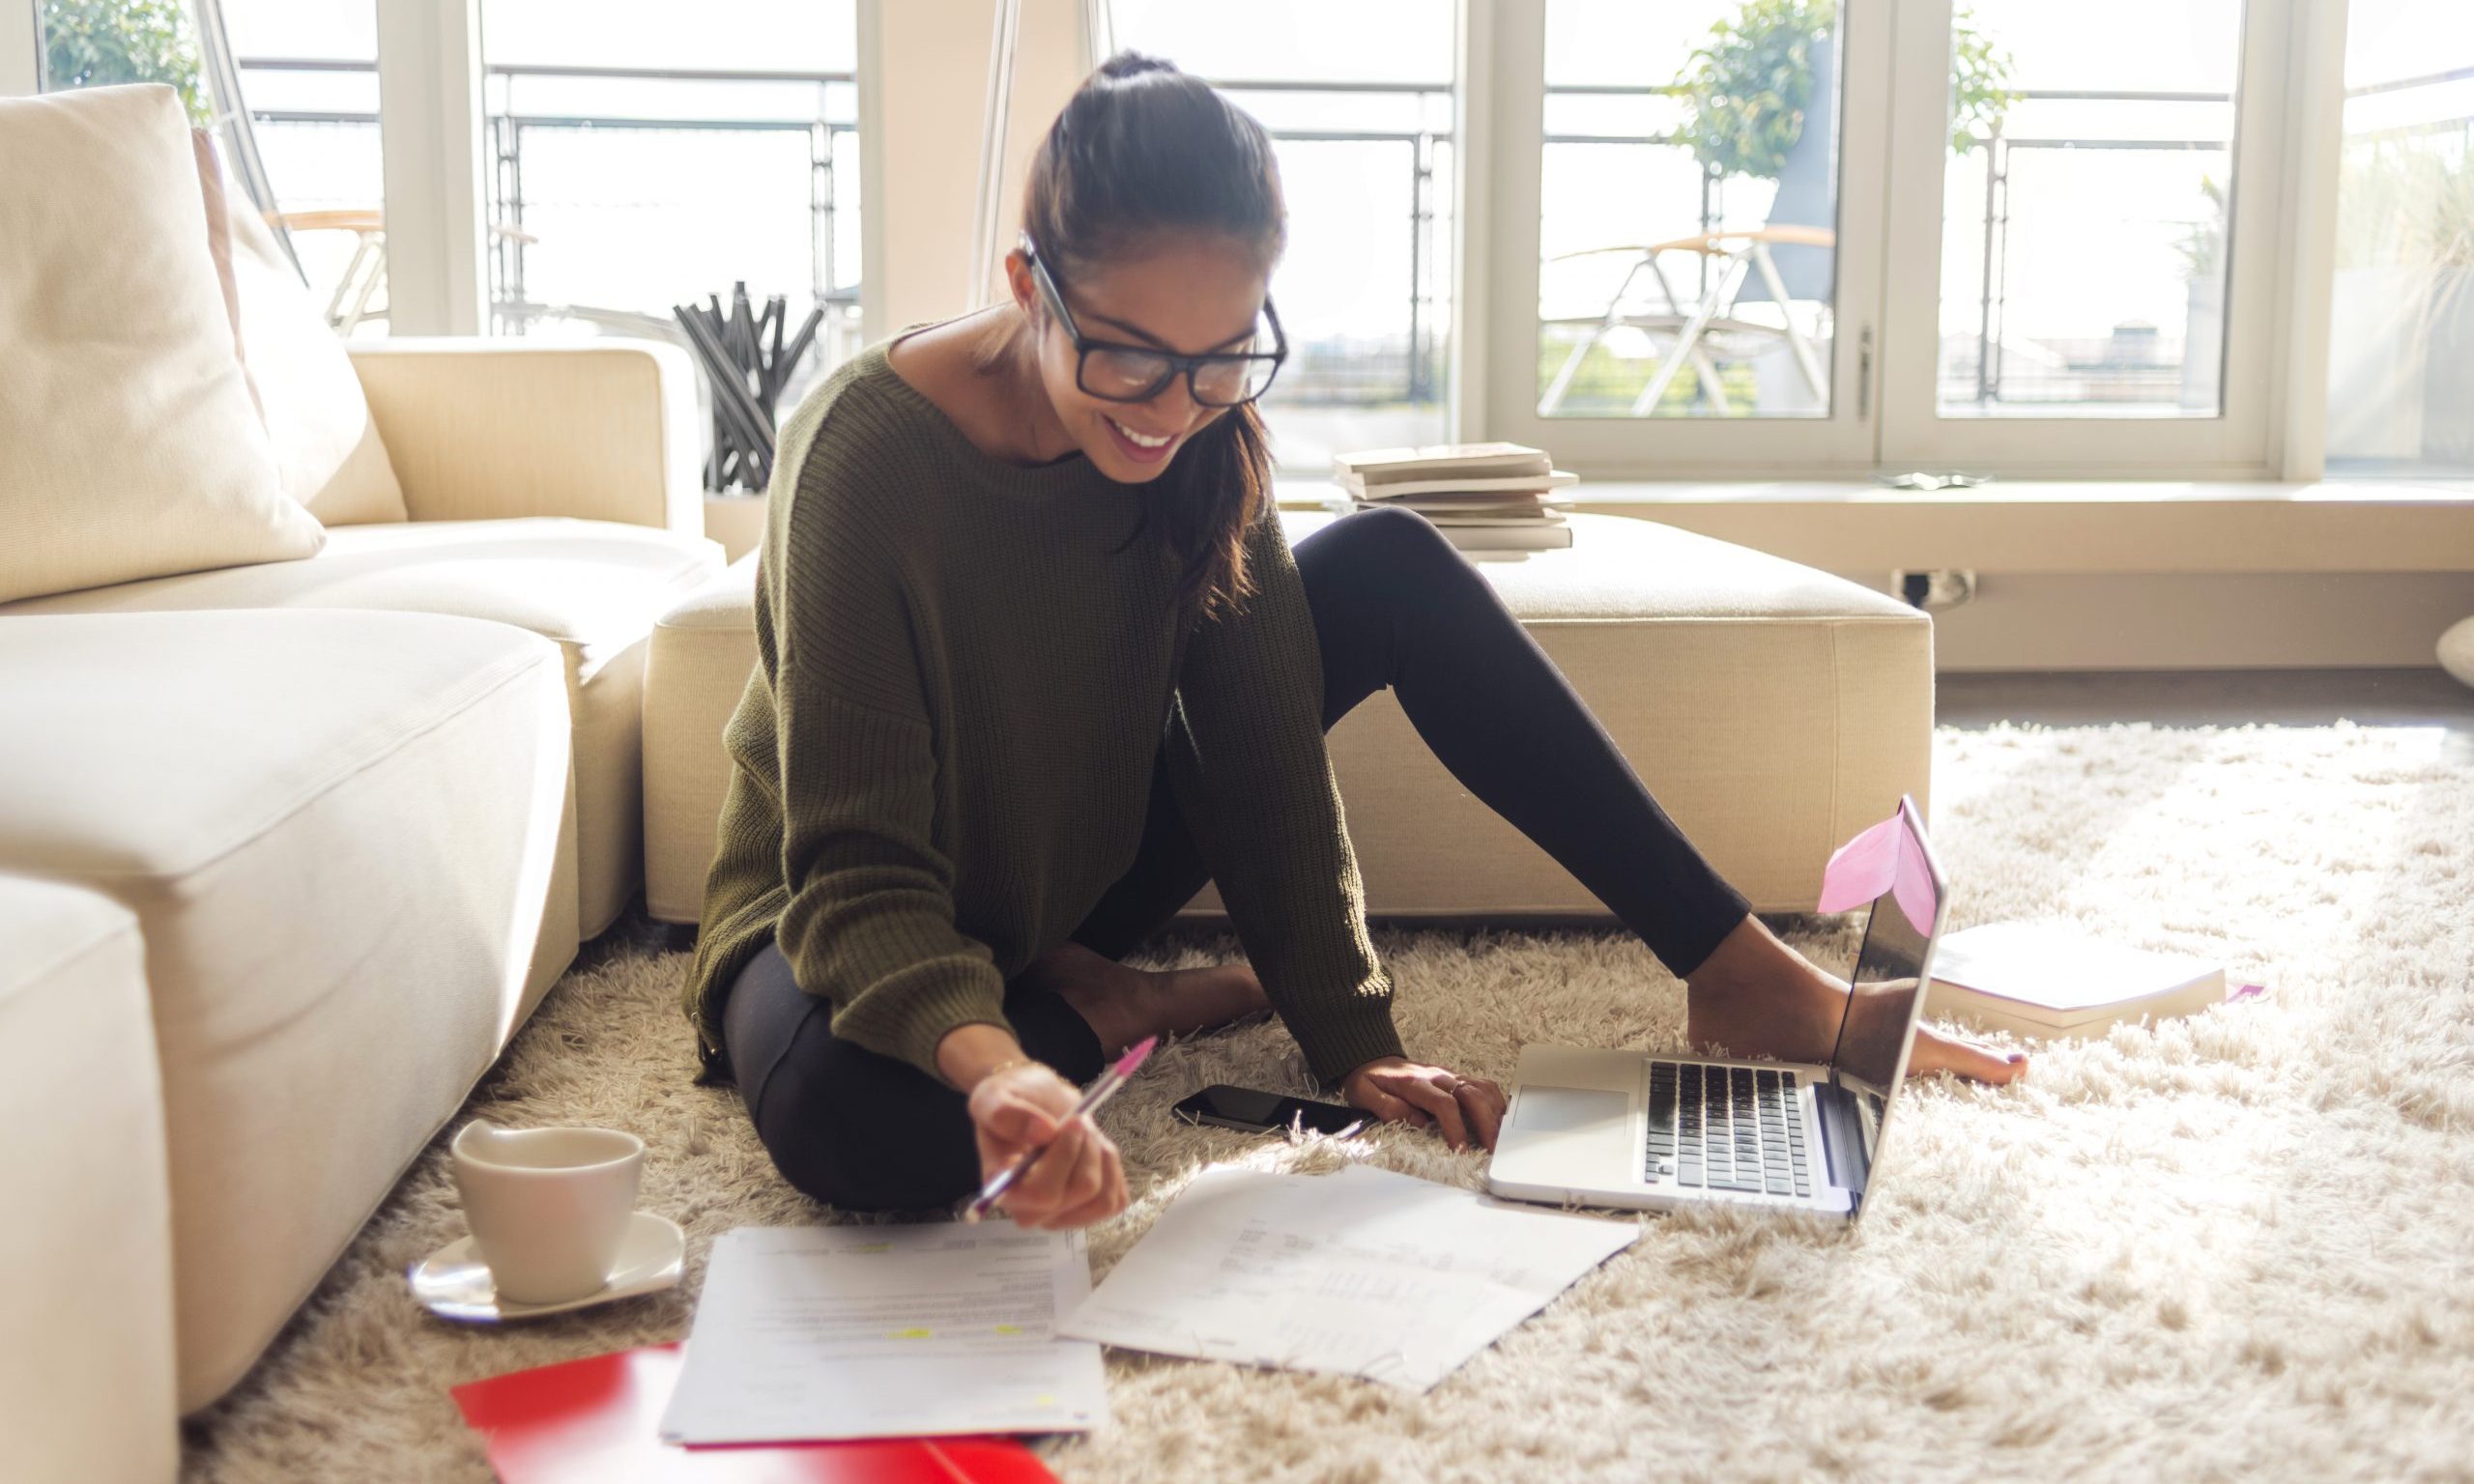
(1870, 1059)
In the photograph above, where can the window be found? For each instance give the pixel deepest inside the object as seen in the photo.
(307, 71)
(308, 77)
(2083, 230)
(2086, 279)
(642, 157)
(2401, 351)
(1685, 250)
(1687, 242)
(1358, 99)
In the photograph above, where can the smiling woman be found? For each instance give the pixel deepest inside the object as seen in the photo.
(1036, 662)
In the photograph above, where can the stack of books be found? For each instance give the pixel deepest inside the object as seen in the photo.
(1484, 496)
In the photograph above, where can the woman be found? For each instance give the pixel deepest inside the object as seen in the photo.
(1035, 663)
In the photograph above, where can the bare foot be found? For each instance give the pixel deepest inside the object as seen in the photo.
(1124, 1005)
(1756, 996)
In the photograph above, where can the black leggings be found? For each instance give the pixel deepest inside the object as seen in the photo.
(1395, 605)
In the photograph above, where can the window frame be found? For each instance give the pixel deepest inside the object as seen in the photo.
(1894, 151)
(2235, 442)
(1669, 448)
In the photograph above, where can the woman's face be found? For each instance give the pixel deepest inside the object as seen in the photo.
(1186, 294)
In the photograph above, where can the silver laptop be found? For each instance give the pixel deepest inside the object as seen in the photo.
(1656, 1132)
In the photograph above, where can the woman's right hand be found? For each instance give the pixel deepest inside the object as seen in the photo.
(1076, 1180)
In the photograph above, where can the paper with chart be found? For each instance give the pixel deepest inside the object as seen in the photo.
(1360, 1274)
(811, 1333)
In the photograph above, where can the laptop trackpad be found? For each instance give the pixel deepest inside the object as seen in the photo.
(1547, 1110)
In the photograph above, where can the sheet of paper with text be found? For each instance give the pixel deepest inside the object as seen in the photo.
(813, 1332)
(1360, 1274)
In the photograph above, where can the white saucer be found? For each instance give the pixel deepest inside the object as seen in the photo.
(454, 1283)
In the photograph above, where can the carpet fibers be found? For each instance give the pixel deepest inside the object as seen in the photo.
(2231, 1246)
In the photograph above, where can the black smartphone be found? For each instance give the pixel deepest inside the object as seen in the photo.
(1221, 1106)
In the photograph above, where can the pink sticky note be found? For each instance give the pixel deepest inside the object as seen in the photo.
(1882, 859)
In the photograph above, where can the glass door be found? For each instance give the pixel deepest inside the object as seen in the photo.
(2081, 255)
(1688, 212)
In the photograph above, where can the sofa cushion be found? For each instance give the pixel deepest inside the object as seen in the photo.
(341, 835)
(593, 587)
(86, 1376)
(129, 446)
(326, 442)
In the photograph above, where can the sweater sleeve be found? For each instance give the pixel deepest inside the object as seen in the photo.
(869, 923)
(1251, 773)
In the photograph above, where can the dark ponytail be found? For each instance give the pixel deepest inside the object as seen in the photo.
(1143, 148)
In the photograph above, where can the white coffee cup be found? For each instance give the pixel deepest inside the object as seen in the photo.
(549, 1207)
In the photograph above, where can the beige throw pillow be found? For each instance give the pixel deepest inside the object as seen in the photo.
(324, 441)
(129, 447)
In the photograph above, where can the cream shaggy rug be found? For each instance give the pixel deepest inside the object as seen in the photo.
(2235, 1247)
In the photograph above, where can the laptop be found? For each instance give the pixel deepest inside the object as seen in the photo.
(1657, 1133)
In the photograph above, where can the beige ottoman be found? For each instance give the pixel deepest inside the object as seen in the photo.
(1774, 710)
(86, 1372)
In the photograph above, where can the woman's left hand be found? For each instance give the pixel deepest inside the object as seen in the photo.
(1401, 1091)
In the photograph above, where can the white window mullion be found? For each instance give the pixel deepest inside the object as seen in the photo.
(2316, 66)
(20, 49)
(1472, 298)
(431, 136)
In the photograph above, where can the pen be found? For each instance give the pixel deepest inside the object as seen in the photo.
(1100, 1091)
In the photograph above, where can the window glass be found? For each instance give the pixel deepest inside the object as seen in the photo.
(2086, 208)
(1688, 209)
(641, 154)
(2400, 331)
(307, 77)
(1359, 101)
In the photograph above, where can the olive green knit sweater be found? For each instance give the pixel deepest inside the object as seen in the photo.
(944, 755)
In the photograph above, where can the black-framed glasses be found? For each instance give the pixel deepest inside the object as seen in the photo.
(1115, 372)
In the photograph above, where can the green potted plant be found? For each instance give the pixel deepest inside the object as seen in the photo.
(1745, 91)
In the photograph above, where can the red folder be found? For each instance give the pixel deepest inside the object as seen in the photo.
(594, 1422)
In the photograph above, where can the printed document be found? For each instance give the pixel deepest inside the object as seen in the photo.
(812, 1332)
(1360, 1274)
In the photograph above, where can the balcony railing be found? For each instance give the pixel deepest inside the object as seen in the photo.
(520, 188)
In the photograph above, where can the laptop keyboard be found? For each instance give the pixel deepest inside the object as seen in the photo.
(1726, 1129)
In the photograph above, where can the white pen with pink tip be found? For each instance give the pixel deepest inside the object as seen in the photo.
(1100, 1091)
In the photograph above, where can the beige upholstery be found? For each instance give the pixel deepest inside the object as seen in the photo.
(695, 668)
(1773, 710)
(86, 1370)
(326, 442)
(343, 837)
(593, 587)
(129, 446)
(488, 429)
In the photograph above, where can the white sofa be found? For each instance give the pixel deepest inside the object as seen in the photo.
(297, 844)
(86, 1367)
(435, 801)
(1775, 711)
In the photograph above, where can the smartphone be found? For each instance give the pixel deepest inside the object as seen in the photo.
(1221, 1106)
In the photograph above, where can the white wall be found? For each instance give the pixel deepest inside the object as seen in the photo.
(2202, 621)
(920, 127)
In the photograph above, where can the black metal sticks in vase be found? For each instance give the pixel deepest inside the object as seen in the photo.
(746, 364)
